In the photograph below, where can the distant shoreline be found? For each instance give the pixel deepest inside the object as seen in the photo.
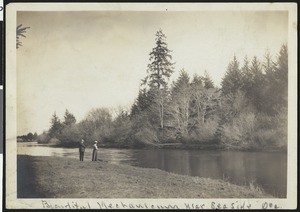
(179, 146)
(56, 177)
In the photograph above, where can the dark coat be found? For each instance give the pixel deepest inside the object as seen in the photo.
(81, 147)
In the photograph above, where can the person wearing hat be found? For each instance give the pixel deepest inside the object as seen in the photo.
(81, 150)
(95, 148)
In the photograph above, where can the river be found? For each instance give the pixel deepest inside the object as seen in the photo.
(268, 170)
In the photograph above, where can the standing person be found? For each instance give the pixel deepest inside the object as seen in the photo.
(81, 150)
(95, 149)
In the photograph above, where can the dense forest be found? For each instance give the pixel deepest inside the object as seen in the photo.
(247, 112)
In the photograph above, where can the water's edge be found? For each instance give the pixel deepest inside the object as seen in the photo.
(263, 169)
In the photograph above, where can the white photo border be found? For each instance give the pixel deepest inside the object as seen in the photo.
(12, 202)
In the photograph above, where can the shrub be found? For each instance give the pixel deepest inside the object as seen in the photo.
(272, 131)
(121, 131)
(205, 132)
(54, 140)
(260, 131)
(43, 138)
(239, 133)
(70, 136)
(144, 136)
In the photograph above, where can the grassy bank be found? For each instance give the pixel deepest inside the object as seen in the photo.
(57, 177)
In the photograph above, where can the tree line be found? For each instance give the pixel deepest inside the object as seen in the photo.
(248, 110)
(27, 138)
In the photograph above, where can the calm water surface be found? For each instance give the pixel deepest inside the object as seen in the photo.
(266, 169)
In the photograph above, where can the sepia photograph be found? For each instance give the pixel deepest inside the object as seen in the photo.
(151, 106)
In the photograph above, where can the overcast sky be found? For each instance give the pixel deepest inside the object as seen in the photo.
(84, 60)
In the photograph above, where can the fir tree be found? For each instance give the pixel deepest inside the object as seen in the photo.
(160, 67)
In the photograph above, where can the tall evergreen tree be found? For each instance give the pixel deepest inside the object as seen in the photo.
(160, 67)
(159, 71)
(268, 63)
(246, 72)
(275, 91)
(268, 70)
(142, 102)
(232, 80)
(280, 83)
(208, 83)
(257, 84)
(56, 126)
(253, 82)
(69, 118)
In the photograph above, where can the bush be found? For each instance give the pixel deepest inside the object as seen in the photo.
(239, 134)
(205, 132)
(121, 131)
(265, 138)
(166, 135)
(43, 138)
(260, 131)
(144, 136)
(54, 141)
(272, 131)
(70, 136)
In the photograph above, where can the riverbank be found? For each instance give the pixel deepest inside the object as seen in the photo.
(57, 177)
(191, 146)
(183, 146)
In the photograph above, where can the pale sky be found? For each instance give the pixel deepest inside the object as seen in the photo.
(84, 60)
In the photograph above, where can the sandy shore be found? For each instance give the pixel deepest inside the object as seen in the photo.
(58, 177)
